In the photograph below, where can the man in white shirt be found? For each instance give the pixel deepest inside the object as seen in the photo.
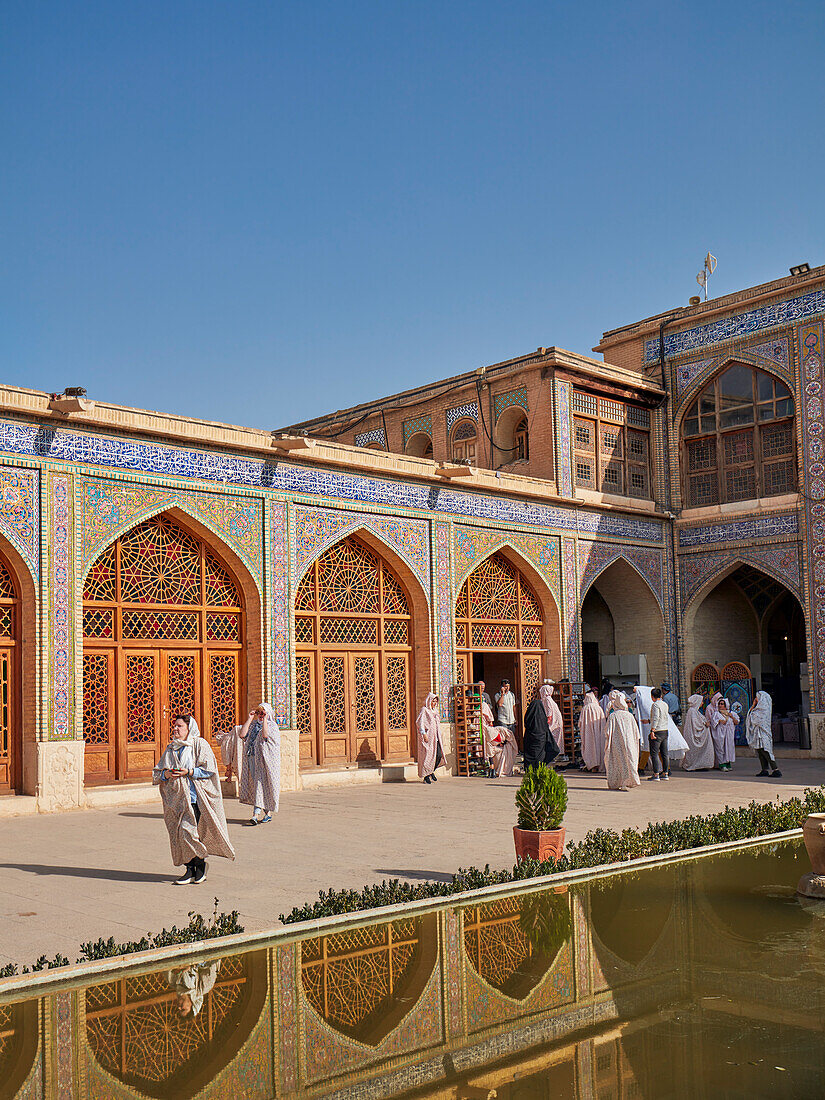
(659, 715)
(506, 707)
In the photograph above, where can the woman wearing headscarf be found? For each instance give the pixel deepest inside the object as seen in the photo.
(723, 723)
(261, 775)
(192, 984)
(231, 750)
(539, 746)
(500, 746)
(696, 731)
(430, 749)
(621, 756)
(604, 696)
(710, 709)
(190, 790)
(592, 724)
(555, 723)
(759, 734)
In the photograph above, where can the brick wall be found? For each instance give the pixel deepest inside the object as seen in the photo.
(723, 628)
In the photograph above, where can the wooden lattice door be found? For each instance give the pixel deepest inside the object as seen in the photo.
(353, 664)
(10, 738)
(163, 635)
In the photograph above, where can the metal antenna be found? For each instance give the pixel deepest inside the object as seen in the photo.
(706, 272)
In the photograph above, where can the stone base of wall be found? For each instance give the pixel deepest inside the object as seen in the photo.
(58, 766)
(817, 736)
(448, 744)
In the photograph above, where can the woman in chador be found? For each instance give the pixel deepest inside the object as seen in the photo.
(500, 746)
(621, 756)
(592, 724)
(430, 750)
(554, 719)
(723, 725)
(260, 785)
(231, 750)
(759, 734)
(192, 805)
(696, 731)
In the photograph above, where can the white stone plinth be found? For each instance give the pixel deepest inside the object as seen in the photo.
(59, 776)
(290, 777)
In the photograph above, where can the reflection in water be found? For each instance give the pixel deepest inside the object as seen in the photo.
(702, 978)
(363, 981)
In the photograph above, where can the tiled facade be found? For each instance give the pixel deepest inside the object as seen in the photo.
(69, 488)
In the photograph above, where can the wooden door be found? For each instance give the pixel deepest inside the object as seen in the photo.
(397, 707)
(9, 761)
(180, 687)
(99, 722)
(139, 726)
(306, 710)
(349, 694)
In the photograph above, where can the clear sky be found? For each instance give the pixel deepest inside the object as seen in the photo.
(258, 212)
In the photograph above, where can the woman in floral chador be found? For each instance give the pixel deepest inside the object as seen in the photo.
(260, 785)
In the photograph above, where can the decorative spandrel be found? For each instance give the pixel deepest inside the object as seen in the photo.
(497, 609)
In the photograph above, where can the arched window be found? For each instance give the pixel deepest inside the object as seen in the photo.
(738, 439)
(420, 445)
(464, 441)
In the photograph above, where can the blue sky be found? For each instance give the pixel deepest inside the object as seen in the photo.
(258, 212)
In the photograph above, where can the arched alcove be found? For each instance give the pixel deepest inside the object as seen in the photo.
(620, 605)
(362, 653)
(511, 436)
(171, 623)
(420, 445)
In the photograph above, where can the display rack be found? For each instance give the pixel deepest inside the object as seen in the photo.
(568, 696)
(469, 742)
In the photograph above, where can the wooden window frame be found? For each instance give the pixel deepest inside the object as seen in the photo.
(716, 440)
(621, 459)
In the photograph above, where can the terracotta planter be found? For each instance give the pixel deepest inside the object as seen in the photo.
(813, 832)
(539, 845)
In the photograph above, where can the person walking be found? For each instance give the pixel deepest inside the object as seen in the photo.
(696, 732)
(430, 749)
(657, 738)
(621, 755)
(190, 790)
(723, 723)
(759, 734)
(260, 785)
(539, 744)
(592, 724)
(506, 707)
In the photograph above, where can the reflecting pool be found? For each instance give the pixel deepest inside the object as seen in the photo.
(703, 978)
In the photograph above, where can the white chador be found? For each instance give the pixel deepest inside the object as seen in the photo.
(676, 744)
(621, 756)
(699, 756)
(592, 724)
(190, 839)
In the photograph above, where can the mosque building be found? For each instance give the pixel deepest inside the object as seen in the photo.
(657, 513)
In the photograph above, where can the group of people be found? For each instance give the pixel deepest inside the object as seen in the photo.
(543, 731)
(190, 786)
(616, 729)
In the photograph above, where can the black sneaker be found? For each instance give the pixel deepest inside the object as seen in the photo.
(763, 772)
(199, 876)
(186, 880)
(777, 774)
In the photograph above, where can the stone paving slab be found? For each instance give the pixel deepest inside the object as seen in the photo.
(66, 878)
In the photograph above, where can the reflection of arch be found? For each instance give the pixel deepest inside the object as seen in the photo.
(171, 615)
(362, 652)
(505, 604)
(636, 622)
(511, 943)
(18, 1044)
(366, 981)
(136, 1033)
(420, 445)
(627, 913)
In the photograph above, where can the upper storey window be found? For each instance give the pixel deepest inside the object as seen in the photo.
(738, 439)
(611, 446)
(464, 441)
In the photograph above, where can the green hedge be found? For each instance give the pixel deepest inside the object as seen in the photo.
(199, 928)
(598, 847)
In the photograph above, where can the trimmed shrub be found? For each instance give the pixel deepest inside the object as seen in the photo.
(541, 799)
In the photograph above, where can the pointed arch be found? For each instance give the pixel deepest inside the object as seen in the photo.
(638, 623)
(698, 383)
(355, 668)
(18, 656)
(219, 654)
(729, 566)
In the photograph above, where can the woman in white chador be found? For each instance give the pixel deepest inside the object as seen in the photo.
(723, 723)
(621, 757)
(260, 785)
(696, 729)
(190, 790)
(759, 734)
(592, 723)
(231, 750)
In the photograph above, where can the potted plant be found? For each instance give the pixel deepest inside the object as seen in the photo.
(541, 801)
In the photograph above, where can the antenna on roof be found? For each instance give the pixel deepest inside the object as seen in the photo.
(706, 272)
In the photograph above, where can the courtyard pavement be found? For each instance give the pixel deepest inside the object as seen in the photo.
(66, 878)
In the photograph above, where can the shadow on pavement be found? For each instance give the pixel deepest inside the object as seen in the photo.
(425, 876)
(86, 872)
